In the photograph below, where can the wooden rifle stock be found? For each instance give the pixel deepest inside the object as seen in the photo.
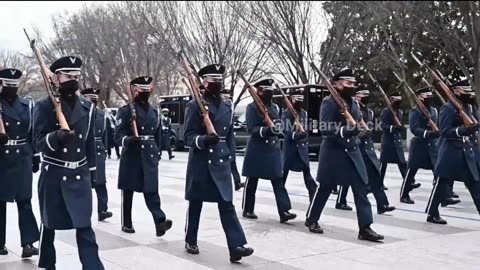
(387, 101)
(131, 103)
(261, 107)
(340, 103)
(2, 126)
(419, 103)
(442, 87)
(197, 95)
(51, 84)
(296, 118)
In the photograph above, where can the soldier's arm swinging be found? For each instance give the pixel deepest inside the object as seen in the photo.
(328, 127)
(44, 140)
(255, 126)
(415, 127)
(90, 151)
(194, 135)
(386, 122)
(158, 134)
(123, 127)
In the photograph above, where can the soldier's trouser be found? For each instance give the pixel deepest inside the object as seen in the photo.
(402, 167)
(152, 200)
(375, 186)
(231, 226)
(408, 181)
(441, 186)
(102, 198)
(281, 195)
(307, 178)
(362, 205)
(235, 174)
(27, 223)
(86, 243)
(342, 195)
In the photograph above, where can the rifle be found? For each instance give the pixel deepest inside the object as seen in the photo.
(341, 105)
(196, 94)
(261, 107)
(387, 100)
(436, 92)
(51, 84)
(2, 126)
(131, 103)
(441, 86)
(419, 103)
(296, 119)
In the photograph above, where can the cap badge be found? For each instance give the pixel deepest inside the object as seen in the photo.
(13, 71)
(73, 59)
(217, 67)
(146, 79)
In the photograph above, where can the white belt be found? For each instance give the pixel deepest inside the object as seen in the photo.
(72, 165)
(16, 142)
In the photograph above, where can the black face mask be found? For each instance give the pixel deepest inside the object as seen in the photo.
(68, 89)
(428, 101)
(365, 100)
(215, 88)
(347, 92)
(473, 101)
(396, 105)
(464, 98)
(142, 97)
(9, 92)
(266, 97)
(298, 105)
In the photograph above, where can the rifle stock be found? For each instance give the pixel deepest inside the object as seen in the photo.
(338, 100)
(2, 126)
(296, 118)
(51, 84)
(196, 94)
(131, 103)
(261, 107)
(387, 100)
(419, 103)
(441, 86)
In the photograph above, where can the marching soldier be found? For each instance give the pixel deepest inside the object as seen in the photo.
(295, 148)
(166, 131)
(263, 157)
(140, 155)
(457, 158)
(423, 147)
(17, 161)
(209, 165)
(91, 94)
(370, 159)
(68, 170)
(340, 159)
(111, 123)
(391, 150)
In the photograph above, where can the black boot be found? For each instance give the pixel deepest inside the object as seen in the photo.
(454, 195)
(29, 251)
(313, 227)
(250, 215)
(407, 200)
(238, 186)
(369, 235)
(450, 201)
(384, 188)
(287, 216)
(345, 207)
(436, 220)
(3, 251)
(161, 228)
(192, 249)
(238, 253)
(171, 157)
(416, 185)
(128, 229)
(104, 215)
(386, 208)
